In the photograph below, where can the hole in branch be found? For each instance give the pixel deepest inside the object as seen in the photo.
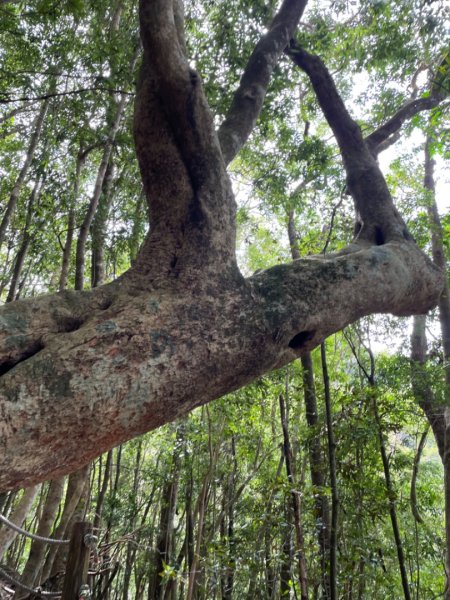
(70, 324)
(379, 237)
(32, 350)
(106, 304)
(299, 340)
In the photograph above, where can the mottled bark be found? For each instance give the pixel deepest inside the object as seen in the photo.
(84, 371)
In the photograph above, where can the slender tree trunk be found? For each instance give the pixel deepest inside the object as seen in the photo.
(98, 230)
(102, 491)
(286, 553)
(25, 244)
(333, 478)
(194, 576)
(317, 468)
(202, 504)
(18, 516)
(75, 486)
(415, 472)
(35, 136)
(131, 550)
(165, 545)
(438, 251)
(390, 492)
(138, 227)
(35, 562)
(391, 496)
(81, 157)
(316, 459)
(295, 499)
(89, 216)
(227, 528)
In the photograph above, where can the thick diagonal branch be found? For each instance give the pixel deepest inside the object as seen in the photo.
(249, 97)
(148, 359)
(378, 221)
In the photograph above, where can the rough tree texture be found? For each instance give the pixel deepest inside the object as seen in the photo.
(84, 371)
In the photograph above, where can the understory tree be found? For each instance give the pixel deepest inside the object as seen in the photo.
(84, 370)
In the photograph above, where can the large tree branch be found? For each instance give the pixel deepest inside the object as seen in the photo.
(249, 97)
(148, 359)
(378, 221)
(83, 372)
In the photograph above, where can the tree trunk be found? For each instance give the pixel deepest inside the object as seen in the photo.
(75, 486)
(316, 459)
(391, 495)
(286, 555)
(333, 593)
(35, 136)
(165, 545)
(89, 216)
(90, 213)
(415, 472)
(98, 233)
(81, 157)
(131, 550)
(18, 516)
(35, 562)
(102, 491)
(295, 499)
(25, 243)
(438, 251)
